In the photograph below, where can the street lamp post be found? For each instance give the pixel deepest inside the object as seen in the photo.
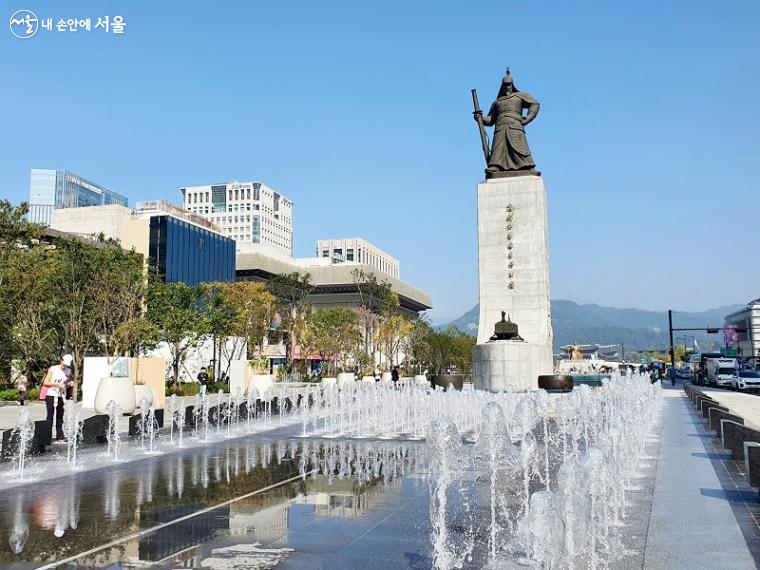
(672, 351)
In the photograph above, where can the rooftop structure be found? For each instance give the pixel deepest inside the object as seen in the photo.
(334, 283)
(57, 189)
(358, 250)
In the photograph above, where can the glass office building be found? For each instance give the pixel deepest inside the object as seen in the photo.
(185, 252)
(52, 189)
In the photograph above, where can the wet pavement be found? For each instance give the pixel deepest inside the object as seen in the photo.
(246, 503)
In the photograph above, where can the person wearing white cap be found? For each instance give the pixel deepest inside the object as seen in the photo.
(54, 390)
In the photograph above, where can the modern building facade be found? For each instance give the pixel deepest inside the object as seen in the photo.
(58, 189)
(742, 330)
(248, 212)
(334, 284)
(360, 251)
(183, 247)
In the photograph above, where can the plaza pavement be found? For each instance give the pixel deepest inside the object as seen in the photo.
(694, 522)
(699, 519)
(740, 403)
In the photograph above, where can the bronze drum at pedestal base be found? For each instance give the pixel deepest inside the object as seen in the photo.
(555, 382)
(444, 380)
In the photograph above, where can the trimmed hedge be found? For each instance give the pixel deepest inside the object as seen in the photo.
(9, 395)
(189, 389)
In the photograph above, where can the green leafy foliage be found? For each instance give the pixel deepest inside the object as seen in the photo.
(175, 309)
(9, 395)
(334, 333)
(61, 295)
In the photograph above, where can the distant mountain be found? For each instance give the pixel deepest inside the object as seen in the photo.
(635, 328)
(467, 322)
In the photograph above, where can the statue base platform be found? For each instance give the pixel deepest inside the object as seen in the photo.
(511, 173)
(513, 257)
(508, 364)
(513, 274)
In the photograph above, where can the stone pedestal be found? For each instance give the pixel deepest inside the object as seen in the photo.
(513, 268)
(504, 364)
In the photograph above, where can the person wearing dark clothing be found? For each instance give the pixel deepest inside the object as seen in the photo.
(55, 383)
(394, 375)
(203, 377)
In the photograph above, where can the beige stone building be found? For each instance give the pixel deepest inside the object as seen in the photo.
(248, 212)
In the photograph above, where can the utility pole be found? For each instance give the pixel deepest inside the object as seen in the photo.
(670, 331)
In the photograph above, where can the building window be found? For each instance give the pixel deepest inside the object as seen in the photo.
(350, 254)
(219, 198)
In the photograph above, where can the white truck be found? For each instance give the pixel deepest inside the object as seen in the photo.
(721, 371)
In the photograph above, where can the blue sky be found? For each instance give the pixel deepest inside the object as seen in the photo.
(647, 137)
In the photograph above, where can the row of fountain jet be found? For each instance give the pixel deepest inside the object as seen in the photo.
(209, 417)
(547, 485)
(357, 410)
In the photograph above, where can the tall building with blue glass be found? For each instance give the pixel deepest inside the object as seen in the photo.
(182, 251)
(54, 189)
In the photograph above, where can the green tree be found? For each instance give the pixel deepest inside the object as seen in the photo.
(450, 349)
(34, 334)
(291, 291)
(249, 308)
(415, 345)
(135, 337)
(176, 309)
(374, 296)
(18, 239)
(393, 328)
(97, 286)
(60, 294)
(334, 333)
(117, 291)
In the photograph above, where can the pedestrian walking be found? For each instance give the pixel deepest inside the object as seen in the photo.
(394, 376)
(22, 383)
(53, 392)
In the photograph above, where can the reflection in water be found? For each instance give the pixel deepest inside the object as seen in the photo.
(245, 556)
(19, 528)
(188, 499)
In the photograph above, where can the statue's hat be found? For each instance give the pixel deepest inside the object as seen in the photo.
(507, 80)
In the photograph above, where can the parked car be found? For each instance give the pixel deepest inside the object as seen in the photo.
(746, 380)
(683, 373)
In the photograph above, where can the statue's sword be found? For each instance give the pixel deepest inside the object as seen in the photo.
(481, 126)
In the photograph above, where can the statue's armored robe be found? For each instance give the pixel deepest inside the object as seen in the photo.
(510, 150)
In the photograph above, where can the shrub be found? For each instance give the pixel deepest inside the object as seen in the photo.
(33, 394)
(9, 395)
(214, 387)
(187, 389)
